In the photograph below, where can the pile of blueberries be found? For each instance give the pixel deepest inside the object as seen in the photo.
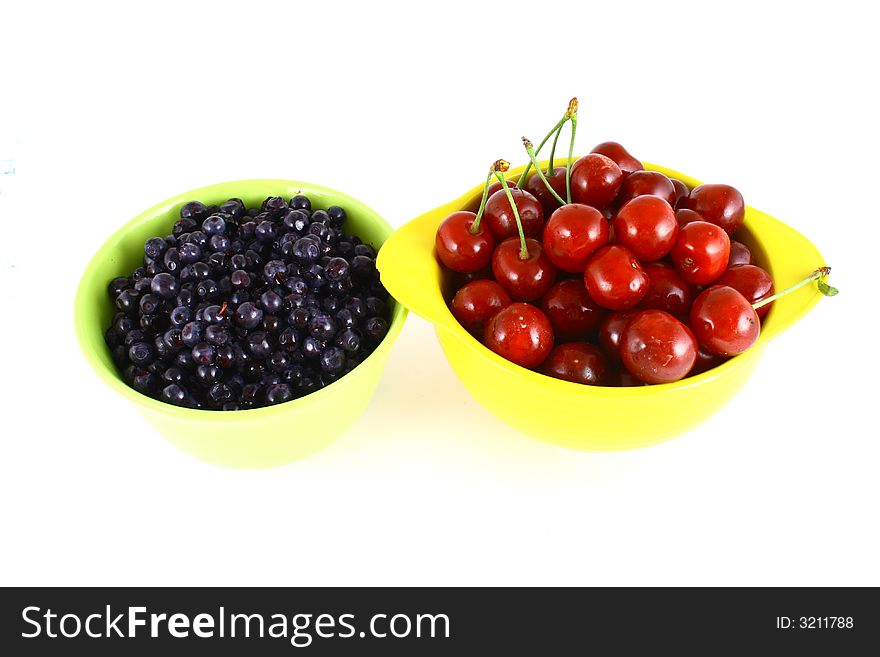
(246, 307)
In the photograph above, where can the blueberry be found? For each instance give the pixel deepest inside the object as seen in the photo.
(248, 315)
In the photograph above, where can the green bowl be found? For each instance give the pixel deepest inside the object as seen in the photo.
(249, 438)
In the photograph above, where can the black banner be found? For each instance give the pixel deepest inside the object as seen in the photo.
(418, 621)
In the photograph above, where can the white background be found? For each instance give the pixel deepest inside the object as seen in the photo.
(106, 111)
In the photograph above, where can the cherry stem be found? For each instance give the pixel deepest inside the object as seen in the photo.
(819, 274)
(572, 114)
(550, 171)
(531, 151)
(475, 227)
(524, 249)
(554, 130)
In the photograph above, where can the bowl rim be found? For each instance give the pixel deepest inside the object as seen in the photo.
(114, 378)
(448, 325)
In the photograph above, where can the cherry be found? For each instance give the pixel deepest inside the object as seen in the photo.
(500, 218)
(525, 279)
(572, 234)
(724, 321)
(621, 157)
(520, 333)
(706, 361)
(595, 180)
(615, 279)
(700, 252)
(750, 281)
(459, 248)
(739, 255)
(496, 186)
(721, 205)
(571, 311)
(681, 192)
(610, 329)
(477, 302)
(685, 217)
(622, 378)
(643, 183)
(647, 226)
(577, 362)
(657, 348)
(536, 187)
(667, 290)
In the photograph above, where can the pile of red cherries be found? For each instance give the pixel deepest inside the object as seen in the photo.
(602, 273)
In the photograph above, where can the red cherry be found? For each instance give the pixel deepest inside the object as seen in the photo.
(657, 348)
(477, 302)
(595, 180)
(647, 183)
(577, 362)
(620, 156)
(520, 333)
(724, 321)
(572, 234)
(739, 255)
(685, 217)
(681, 192)
(721, 205)
(501, 221)
(496, 186)
(750, 281)
(525, 280)
(706, 361)
(460, 249)
(571, 311)
(536, 187)
(615, 279)
(611, 328)
(700, 252)
(667, 290)
(646, 226)
(622, 378)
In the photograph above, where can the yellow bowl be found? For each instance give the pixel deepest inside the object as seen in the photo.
(590, 417)
(257, 437)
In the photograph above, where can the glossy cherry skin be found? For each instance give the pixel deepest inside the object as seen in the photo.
(681, 192)
(572, 234)
(700, 252)
(685, 217)
(646, 226)
(647, 183)
(595, 180)
(750, 281)
(460, 249)
(536, 187)
(500, 219)
(496, 186)
(477, 302)
(571, 311)
(524, 280)
(739, 255)
(621, 157)
(667, 290)
(657, 348)
(724, 321)
(521, 333)
(614, 278)
(610, 329)
(578, 362)
(721, 205)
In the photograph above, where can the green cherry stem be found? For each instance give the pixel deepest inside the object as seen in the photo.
(475, 227)
(531, 151)
(524, 249)
(555, 130)
(573, 116)
(550, 171)
(819, 274)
